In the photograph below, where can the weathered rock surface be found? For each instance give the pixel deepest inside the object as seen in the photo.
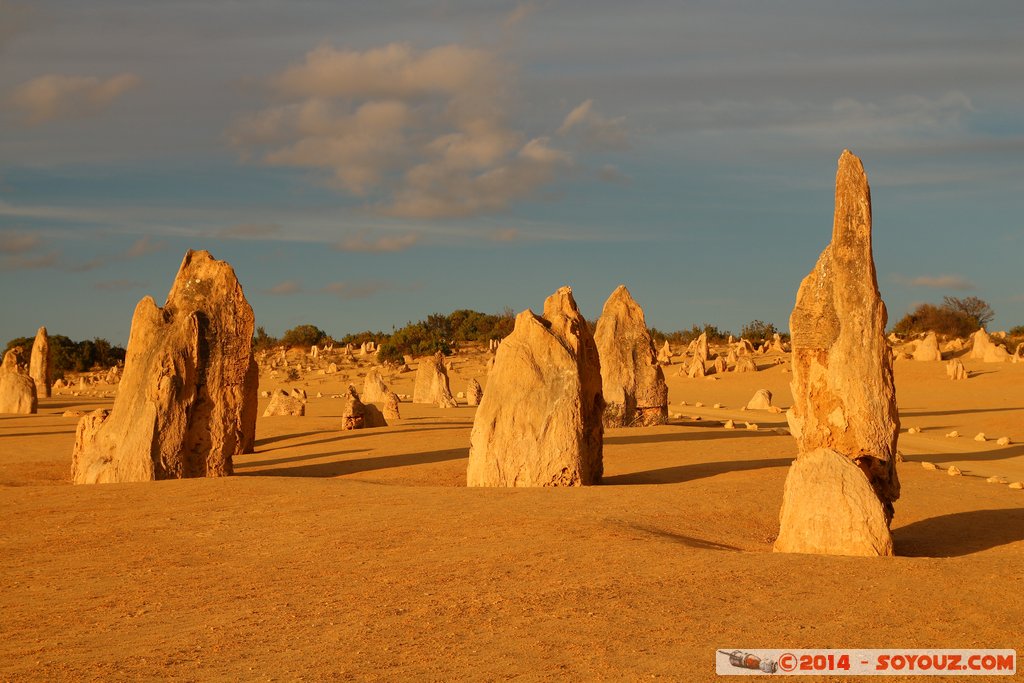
(745, 364)
(928, 348)
(432, 383)
(539, 423)
(390, 410)
(955, 369)
(664, 354)
(187, 401)
(353, 413)
(761, 400)
(40, 367)
(284, 403)
(474, 392)
(632, 381)
(843, 394)
(374, 389)
(696, 369)
(17, 390)
(985, 350)
(700, 349)
(829, 507)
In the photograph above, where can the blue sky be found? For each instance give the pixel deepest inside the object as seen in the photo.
(363, 164)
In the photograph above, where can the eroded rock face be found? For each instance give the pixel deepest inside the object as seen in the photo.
(390, 410)
(701, 348)
(761, 400)
(432, 383)
(843, 394)
(984, 349)
(17, 390)
(284, 403)
(745, 364)
(539, 423)
(186, 404)
(632, 381)
(353, 414)
(374, 389)
(474, 392)
(955, 369)
(830, 508)
(40, 366)
(928, 348)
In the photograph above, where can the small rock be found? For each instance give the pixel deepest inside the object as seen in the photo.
(980, 436)
(1017, 485)
(775, 409)
(682, 403)
(954, 471)
(953, 434)
(698, 404)
(751, 426)
(1003, 441)
(718, 405)
(729, 424)
(996, 480)
(914, 430)
(928, 465)
(695, 418)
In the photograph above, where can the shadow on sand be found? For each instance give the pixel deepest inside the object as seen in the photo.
(697, 470)
(740, 433)
(960, 533)
(338, 468)
(997, 453)
(689, 541)
(335, 435)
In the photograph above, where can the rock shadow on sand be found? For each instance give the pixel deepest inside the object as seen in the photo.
(339, 468)
(689, 472)
(960, 533)
(704, 435)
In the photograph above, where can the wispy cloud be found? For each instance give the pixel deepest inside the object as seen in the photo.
(948, 282)
(597, 130)
(141, 247)
(23, 251)
(418, 134)
(285, 288)
(519, 14)
(249, 230)
(17, 242)
(506, 235)
(54, 96)
(356, 290)
(361, 242)
(15, 17)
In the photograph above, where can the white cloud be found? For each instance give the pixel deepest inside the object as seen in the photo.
(54, 96)
(418, 134)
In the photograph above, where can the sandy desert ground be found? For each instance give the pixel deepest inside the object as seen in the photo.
(362, 555)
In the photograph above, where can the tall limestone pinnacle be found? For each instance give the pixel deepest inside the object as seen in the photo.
(539, 422)
(187, 402)
(844, 399)
(632, 381)
(40, 369)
